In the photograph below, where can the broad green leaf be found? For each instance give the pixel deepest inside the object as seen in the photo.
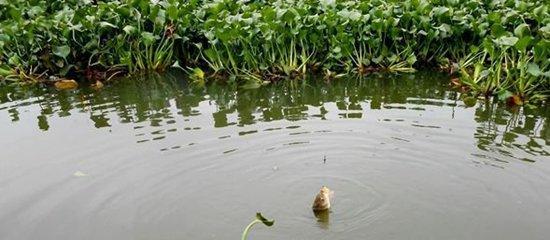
(545, 30)
(172, 12)
(62, 51)
(534, 69)
(506, 41)
(411, 59)
(148, 38)
(438, 11)
(540, 11)
(524, 43)
(328, 3)
(497, 30)
(129, 29)
(521, 30)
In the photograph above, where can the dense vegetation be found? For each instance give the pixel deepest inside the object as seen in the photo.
(495, 47)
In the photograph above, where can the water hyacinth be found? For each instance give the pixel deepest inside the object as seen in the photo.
(496, 48)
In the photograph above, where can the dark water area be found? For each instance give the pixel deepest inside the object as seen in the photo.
(156, 157)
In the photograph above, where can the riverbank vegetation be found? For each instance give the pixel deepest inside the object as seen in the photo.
(490, 48)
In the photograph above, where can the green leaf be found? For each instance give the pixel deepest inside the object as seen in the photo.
(62, 51)
(328, 3)
(497, 30)
(129, 29)
(437, 11)
(534, 69)
(540, 11)
(268, 223)
(524, 43)
(506, 41)
(469, 101)
(107, 24)
(503, 95)
(14, 60)
(411, 59)
(172, 12)
(521, 30)
(545, 30)
(197, 74)
(148, 38)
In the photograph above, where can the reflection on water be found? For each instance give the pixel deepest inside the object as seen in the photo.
(160, 158)
(155, 101)
(323, 218)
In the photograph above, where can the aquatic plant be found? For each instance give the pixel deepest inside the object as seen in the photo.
(259, 219)
(496, 48)
(91, 38)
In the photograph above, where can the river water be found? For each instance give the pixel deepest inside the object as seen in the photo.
(156, 157)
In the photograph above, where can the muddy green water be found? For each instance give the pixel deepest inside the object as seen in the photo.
(155, 158)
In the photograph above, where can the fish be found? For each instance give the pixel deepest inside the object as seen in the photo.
(322, 200)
